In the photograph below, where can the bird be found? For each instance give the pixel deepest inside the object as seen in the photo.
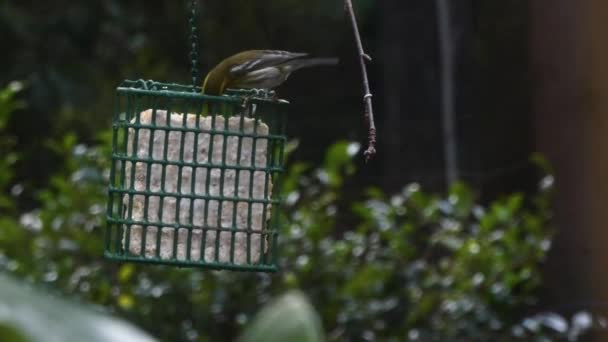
(258, 69)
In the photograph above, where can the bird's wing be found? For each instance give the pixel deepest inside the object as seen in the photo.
(266, 78)
(265, 58)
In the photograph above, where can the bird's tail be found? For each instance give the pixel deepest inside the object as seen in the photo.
(309, 62)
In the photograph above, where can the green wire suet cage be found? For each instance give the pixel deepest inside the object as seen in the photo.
(195, 178)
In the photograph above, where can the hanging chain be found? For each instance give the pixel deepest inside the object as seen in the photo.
(194, 42)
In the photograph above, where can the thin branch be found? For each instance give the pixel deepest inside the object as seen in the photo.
(367, 98)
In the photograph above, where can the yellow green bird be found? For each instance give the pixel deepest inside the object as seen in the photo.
(258, 69)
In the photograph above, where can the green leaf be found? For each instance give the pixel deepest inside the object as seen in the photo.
(8, 104)
(126, 272)
(290, 318)
(462, 199)
(339, 161)
(10, 333)
(38, 316)
(541, 161)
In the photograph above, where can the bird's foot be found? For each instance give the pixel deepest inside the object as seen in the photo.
(263, 93)
(254, 92)
(271, 94)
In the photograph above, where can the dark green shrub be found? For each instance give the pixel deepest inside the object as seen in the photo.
(415, 265)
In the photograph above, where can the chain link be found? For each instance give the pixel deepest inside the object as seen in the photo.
(194, 43)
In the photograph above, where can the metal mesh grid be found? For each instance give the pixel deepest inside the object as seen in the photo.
(194, 178)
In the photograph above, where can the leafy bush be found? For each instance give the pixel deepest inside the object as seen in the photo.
(412, 265)
(419, 265)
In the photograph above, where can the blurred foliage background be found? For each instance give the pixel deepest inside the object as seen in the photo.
(385, 251)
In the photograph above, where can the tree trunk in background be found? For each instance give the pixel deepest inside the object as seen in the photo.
(570, 56)
(447, 84)
(411, 130)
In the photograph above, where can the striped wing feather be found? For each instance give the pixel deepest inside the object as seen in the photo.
(265, 58)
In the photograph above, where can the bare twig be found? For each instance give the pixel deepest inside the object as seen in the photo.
(367, 98)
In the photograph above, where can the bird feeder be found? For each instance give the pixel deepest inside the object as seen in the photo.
(194, 179)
